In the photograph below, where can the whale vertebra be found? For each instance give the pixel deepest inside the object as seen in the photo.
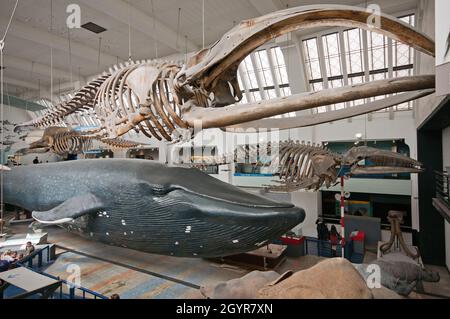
(148, 206)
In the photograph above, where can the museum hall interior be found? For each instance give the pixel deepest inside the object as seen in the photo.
(211, 149)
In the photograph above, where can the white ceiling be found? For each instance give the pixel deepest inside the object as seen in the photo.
(27, 51)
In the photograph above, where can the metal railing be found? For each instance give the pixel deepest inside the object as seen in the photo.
(321, 248)
(29, 260)
(443, 187)
(67, 290)
(324, 248)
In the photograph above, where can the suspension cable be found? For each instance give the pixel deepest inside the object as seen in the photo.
(70, 55)
(185, 49)
(10, 21)
(129, 30)
(2, 133)
(99, 51)
(51, 52)
(178, 28)
(155, 37)
(203, 22)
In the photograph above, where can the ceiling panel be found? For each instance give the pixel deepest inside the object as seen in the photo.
(220, 16)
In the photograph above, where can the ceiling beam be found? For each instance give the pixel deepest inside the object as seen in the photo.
(266, 6)
(39, 68)
(26, 32)
(119, 9)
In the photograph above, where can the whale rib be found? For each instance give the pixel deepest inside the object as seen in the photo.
(69, 210)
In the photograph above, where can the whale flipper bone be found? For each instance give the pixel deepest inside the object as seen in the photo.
(69, 210)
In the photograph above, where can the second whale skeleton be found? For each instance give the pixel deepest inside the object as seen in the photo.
(161, 99)
(64, 140)
(311, 166)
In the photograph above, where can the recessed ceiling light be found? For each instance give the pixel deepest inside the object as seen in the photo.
(93, 27)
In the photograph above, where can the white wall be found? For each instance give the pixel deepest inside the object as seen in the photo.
(311, 202)
(442, 28)
(16, 116)
(426, 64)
(446, 152)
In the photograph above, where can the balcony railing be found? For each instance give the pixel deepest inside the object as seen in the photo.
(443, 187)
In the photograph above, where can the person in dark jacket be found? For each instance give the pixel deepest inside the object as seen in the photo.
(322, 230)
(335, 239)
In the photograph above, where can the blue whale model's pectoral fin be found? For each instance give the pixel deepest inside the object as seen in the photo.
(69, 210)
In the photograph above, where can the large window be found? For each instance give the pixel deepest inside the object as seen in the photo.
(280, 70)
(247, 69)
(355, 56)
(263, 75)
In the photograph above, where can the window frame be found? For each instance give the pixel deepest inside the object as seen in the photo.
(366, 73)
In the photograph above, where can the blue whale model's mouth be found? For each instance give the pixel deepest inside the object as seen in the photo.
(205, 226)
(197, 183)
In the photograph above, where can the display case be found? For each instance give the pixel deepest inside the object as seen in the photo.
(204, 158)
(151, 154)
(253, 161)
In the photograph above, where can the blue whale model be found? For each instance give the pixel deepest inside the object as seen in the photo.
(148, 206)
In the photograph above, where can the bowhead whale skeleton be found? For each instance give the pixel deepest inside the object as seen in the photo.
(160, 98)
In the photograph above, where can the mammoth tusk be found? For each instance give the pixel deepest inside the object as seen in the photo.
(241, 113)
(315, 119)
(210, 64)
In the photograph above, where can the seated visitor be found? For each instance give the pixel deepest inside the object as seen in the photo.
(29, 249)
(115, 296)
(7, 256)
(4, 265)
(14, 256)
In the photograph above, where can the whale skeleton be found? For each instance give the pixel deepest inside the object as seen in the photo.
(313, 166)
(64, 140)
(162, 98)
(306, 166)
